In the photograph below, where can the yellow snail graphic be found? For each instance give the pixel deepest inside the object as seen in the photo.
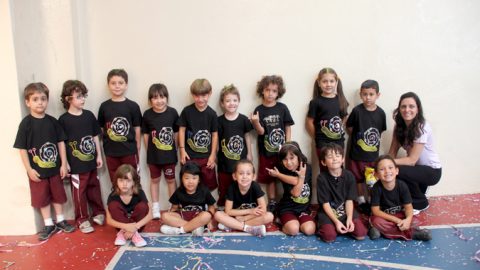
(234, 148)
(274, 140)
(200, 141)
(47, 155)
(164, 140)
(371, 138)
(118, 130)
(78, 153)
(334, 129)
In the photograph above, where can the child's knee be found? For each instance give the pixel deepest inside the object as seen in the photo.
(155, 180)
(327, 233)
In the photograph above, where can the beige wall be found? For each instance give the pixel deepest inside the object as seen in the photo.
(430, 47)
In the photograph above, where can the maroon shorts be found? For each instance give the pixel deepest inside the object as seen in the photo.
(263, 163)
(224, 181)
(358, 169)
(48, 190)
(114, 162)
(207, 176)
(167, 169)
(302, 218)
(188, 215)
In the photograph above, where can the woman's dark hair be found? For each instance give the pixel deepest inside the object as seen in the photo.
(404, 134)
(293, 148)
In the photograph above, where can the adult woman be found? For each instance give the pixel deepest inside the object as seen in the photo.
(421, 166)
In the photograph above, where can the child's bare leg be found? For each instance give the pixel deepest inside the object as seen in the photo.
(58, 208)
(253, 220)
(173, 219)
(200, 220)
(271, 191)
(229, 221)
(292, 227)
(171, 185)
(154, 186)
(45, 211)
(308, 228)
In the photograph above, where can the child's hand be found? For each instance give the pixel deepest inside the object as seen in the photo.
(350, 225)
(131, 227)
(33, 175)
(255, 118)
(340, 227)
(210, 225)
(211, 162)
(64, 171)
(99, 162)
(273, 172)
(183, 156)
(257, 211)
(403, 225)
(302, 170)
(128, 235)
(240, 218)
(249, 157)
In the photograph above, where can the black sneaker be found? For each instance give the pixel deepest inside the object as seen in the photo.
(373, 233)
(64, 226)
(47, 232)
(272, 205)
(422, 234)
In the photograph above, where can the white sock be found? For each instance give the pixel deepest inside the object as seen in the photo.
(156, 205)
(182, 230)
(48, 222)
(60, 218)
(245, 227)
(361, 199)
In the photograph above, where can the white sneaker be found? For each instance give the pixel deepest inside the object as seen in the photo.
(223, 227)
(198, 231)
(156, 213)
(86, 227)
(165, 229)
(259, 231)
(99, 219)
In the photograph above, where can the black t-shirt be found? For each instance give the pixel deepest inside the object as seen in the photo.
(231, 136)
(391, 201)
(273, 120)
(300, 204)
(199, 127)
(327, 120)
(40, 137)
(247, 200)
(80, 146)
(367, 127)
(198, 201)
(161, 129)
(336, 191)
(118, 120)
(136, 198)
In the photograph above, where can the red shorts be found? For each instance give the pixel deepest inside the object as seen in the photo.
(302, 218)
(114, 162)
(188, 215)
(263, 163)
(358, 169)
(156, 170)
(48, 190)
(207, 176)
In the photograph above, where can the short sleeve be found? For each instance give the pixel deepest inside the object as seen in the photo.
(230, 192)
(174, 200)
(137, 115)
(375, 195)
(322, 189)
(21, 138)
(312, 109)
(101, 116)
(405, 196)
(288, 120)
(351, 186)
(352, 118)
(175, 120)
(209, 198)
(257, 190)
(142, 196)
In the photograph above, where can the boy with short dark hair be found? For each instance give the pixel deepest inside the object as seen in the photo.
(365, 125)
(198, 133)
(40, 139)
(336, 192)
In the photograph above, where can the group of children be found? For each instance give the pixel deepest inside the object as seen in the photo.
(52, 150)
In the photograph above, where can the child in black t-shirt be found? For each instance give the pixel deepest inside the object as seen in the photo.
(198, 133)
(192, 205)
(40, 139)
(272, 121)
(245, 207)
(365, 125)
(235, 143)
(296, 176)
(392, 205)
(336, 192)
(83, 155)
(160, 133)
(128, 208)
(120, 119)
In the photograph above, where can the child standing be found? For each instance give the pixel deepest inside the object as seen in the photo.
(245, 207)
(272, 121)
(83, 155)
(296, 176)
(40, 139)
(365, 125)
(160, 133)
(198, 133)
(336, 192)
(120, 120)
(235, 144)
(327, 111)
(192, 205)
(128, 208)
(392, 205)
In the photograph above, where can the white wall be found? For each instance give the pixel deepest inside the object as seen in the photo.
(429, 47)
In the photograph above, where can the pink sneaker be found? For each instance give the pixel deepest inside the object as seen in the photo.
(138, 240)
(120, 240)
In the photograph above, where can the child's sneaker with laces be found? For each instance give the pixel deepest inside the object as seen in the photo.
(422, 235)
(166, 229)
(86, 227)
(224, 228)
(138, 240)
(99, 219)
(272, 205)
(198, 231)
(259, 231)
(65, 226)
(46, 232)
(120, 239)
(156, 213)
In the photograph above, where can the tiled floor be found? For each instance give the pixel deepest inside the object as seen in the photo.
(94, 251)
